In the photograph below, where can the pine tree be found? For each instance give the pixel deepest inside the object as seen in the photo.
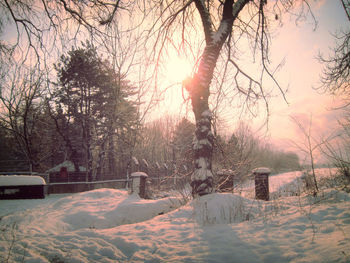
(92, 107)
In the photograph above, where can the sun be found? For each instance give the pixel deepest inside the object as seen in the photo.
(177, 69)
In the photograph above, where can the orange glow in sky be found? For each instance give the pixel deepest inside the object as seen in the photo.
(177, 69)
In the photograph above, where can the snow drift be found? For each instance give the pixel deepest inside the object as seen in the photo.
(109, 225)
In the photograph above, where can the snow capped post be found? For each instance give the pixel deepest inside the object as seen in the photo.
(262, 183)
(175, 173)
(139, 183)
(158, 174)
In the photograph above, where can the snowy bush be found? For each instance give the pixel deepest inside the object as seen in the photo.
(221, 208)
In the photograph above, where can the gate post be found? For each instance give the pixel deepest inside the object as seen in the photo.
(158, 174)
(261, 176)
(139, 183)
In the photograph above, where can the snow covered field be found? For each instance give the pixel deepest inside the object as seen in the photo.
(108, 225)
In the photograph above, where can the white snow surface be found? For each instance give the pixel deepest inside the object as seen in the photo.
(138, 174)
(262, 170)
(134, 159)
(21, 180)
(109, 225)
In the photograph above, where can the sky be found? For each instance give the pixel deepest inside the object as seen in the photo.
(301, 44)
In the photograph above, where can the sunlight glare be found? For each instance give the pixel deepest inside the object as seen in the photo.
(177, 69)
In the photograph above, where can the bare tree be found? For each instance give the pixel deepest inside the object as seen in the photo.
(335, 80)
(338, 153)
(238, 155)
(336, 73)
(223, 25)
(21, 111)
(39, 27)
(156, 142)
(309, 146)
(124, 49)
(337, 147)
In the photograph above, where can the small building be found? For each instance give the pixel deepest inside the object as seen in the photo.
(65, 172)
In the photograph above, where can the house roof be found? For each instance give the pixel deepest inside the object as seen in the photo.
(68, 164)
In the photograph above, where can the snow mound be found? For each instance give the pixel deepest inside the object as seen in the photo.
(223, 208)
(108, 208)
(97, 209)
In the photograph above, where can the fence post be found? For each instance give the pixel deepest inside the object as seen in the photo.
(135, 165)
(166, 169)
(144, 166)
(175, 173)
(139, 183)
(262, 183)
(158, 174)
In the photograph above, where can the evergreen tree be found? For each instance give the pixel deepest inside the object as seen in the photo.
(91, 108)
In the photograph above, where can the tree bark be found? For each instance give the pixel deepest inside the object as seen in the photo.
(202, 182)
(198, 88)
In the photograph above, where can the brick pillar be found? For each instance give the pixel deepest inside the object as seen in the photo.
(261, 176)
(139, 183)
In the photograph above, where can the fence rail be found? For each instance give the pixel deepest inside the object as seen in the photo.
(92, 182)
